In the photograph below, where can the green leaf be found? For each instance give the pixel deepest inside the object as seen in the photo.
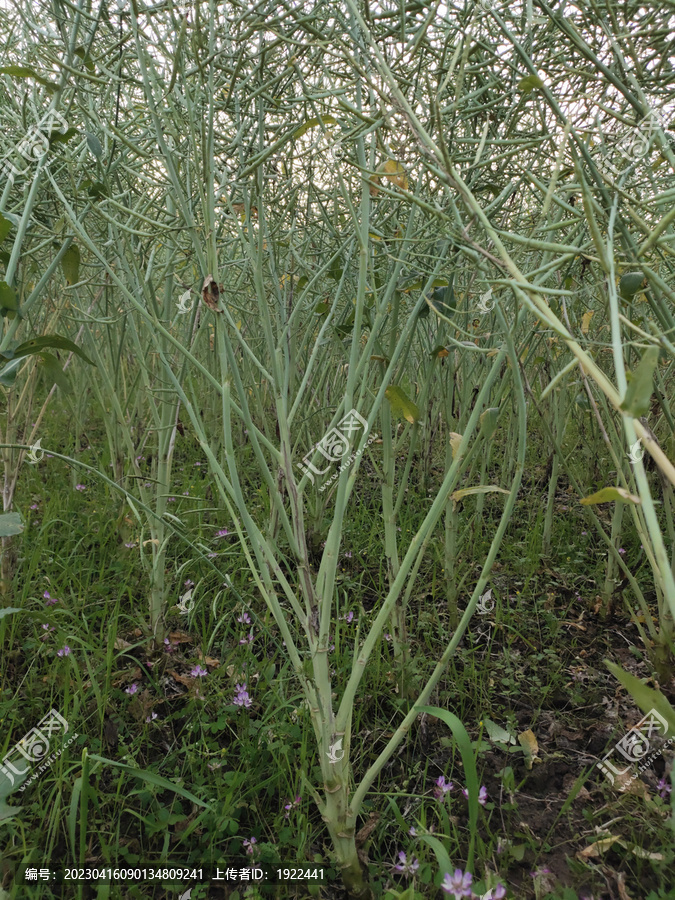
(497, 733)
(55, 374)
(94, 144)
(50, 340)
(10, 523)
(529, 83)
(9, 610)
(322, 308)
(401, 404)
(312, 123)
(462, 738)
(632, 283)
(641, 385)
(9, 373)
(488, 421)
(8, 297)
(440, 852)
(151, 778)
(645, 697)
(610, 494)
(5, 226)
(56, 137)
(27, 72)
(84, 56)
(70, 263)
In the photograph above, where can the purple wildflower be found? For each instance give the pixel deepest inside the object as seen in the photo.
(50, 600)
(662, 787)
(406, 868)
(198, 672)
(245, 618)
(497, 893)
(249, 845)
(249, 639)
(131, 689)
(151, 717)
(459, 884)
(241, 697)
(442, 787)
(64, 651)
(482, 795)
(621, 551)
(292, 805)
(80, 487)
(222, 532)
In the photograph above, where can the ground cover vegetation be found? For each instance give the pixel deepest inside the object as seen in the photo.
(337, 435)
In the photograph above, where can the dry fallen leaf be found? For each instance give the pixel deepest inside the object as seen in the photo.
(528, 742)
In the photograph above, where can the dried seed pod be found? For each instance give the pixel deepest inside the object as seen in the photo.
(211, 293)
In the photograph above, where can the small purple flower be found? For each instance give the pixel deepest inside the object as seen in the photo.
(222, 532)
(189, 583)
(64, 651)
(241, 697)
(80, 487)
(249, 639)
(197, 464)
(348, 555)
(151, 717)
(459, 884)
(169, 646)
(482, 795)
(584, 533)
(406, 868)
(387, 636)
(50, 600)
(442, 787)
(35, 506)
(621, 551)
(186, 493)
(292, 805)
(249, 845)
(212, 555)
(542, 871)
(170, 499)
(412, 831)
(198, 672)
(130, 545)
(662, 787)
(244, 618)
(131, 689)
(497, 893)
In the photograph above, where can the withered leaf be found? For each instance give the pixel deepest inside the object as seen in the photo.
(211, 293)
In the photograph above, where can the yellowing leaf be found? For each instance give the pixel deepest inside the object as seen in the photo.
(455, 441)
(395, 172)
(609, 494)
(586, 321)
(402, 404)
(598, 848)
(528, 742)
(312, 123)
(481, 489)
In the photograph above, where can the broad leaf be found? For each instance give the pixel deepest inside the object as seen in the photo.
(151, 778)
(9, 373)
(50, 340)
(496, 733)
(70, 263)
(8, 297)
(488, 421)
(5, 226)
(401, 404)
(632, 283)
(94, 144)
(641, 385)
(10, 523)
(645, 697)
(529, 83)
(55, 374)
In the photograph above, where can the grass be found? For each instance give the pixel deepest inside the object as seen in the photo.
(536, 666)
